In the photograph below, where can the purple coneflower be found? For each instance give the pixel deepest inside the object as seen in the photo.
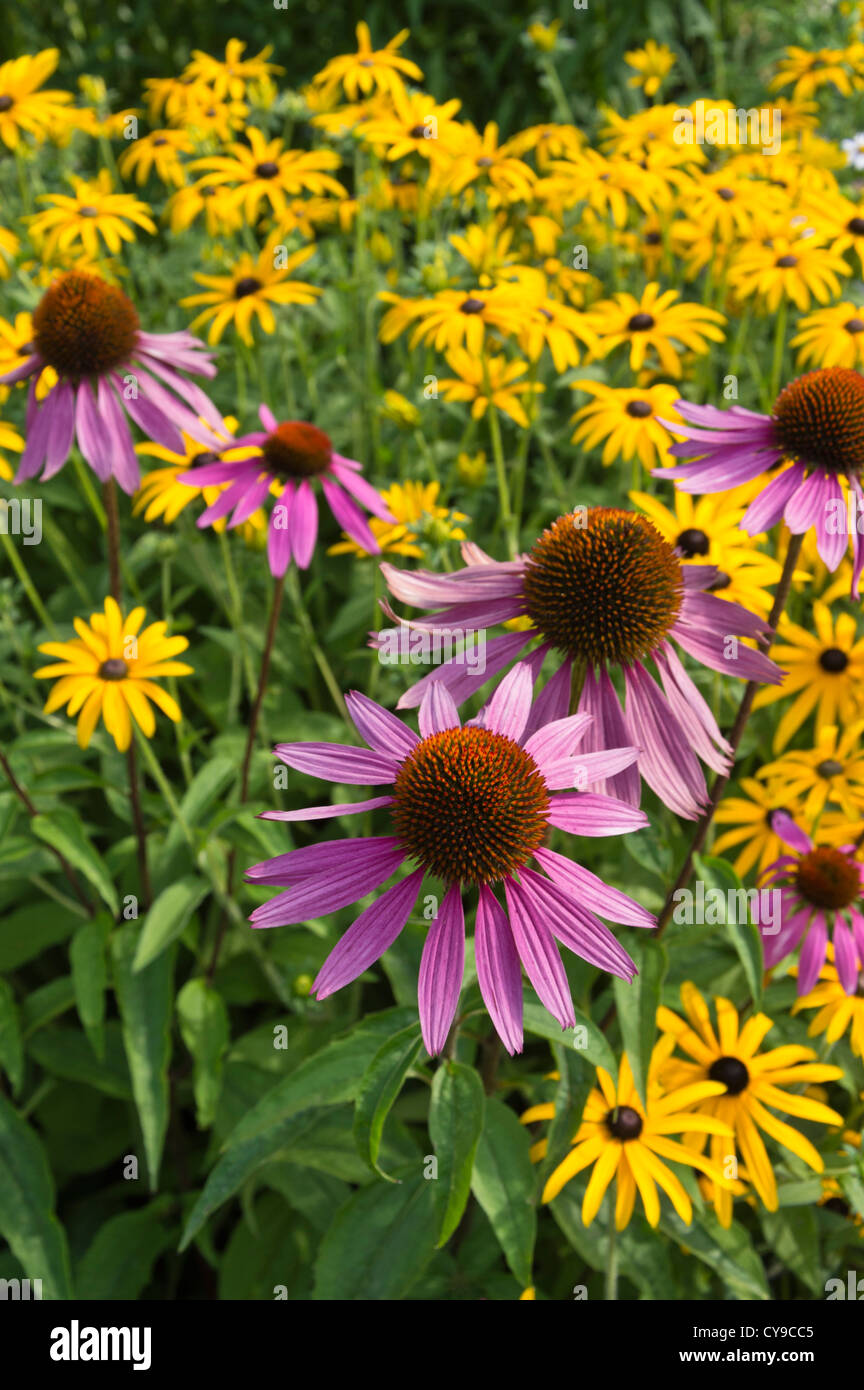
(88, 331)
(607, 593)
(818, 423)
(820, 888)
(472, 806)
(292, 455)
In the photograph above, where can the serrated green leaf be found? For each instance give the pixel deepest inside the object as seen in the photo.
(145, 999)
(380, 1085)
(504, 1183)
(63, 831)
(167, 918)
(455, 1124)
(27, 1219)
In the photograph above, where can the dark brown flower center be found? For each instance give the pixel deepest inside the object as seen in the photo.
(786, 262)
(248, 285)
(828, 878)
(201, 460)
(854, 325)
(484, 162)
(472, 306)
(606, 591)
(833, 660)
(693, 542)
(297, 450)
(88, 211)
(640, 410)
(727, 194)
(470, 806)
(855, 225)
(653, 238)
(84, 327)
(640, 323)
(829, 768)
(624, 1123)
(6, 103)
(114, 669)
(267, 170)
(819, 419)
(721, 581)
(732, 1072)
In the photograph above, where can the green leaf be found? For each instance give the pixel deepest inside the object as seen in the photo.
(743, 934)
(27, 1219)
(379, 1244)
(120, 1258)
(576, 1080)
(853, 1191)
(586, 1038)
(380, 1085)
(145, 1000)
(45, 1004)
(730, 1253)
(455, 1124)
(11, 1042)
(329, 1077)
(167, 918)
(66, 1052)
(793, 1236)
(504, 1183)
(637, 1003)
(89, 964)
(205, 1030)
(30, 930)
(63, 831)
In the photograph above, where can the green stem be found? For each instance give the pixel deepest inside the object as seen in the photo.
(27, 584)
(507, 518)
(308, 631)
(611, 1257)
(779, 346)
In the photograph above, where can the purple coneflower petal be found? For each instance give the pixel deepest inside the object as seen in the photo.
(791, 834)
(831, 542)
(304, 524)
(341, 884)
(339, 762)
(845, 958)
(62, 429)
(313, 861)
(539, 954)
(813, 954)
(499, 972)
(692, 711)
(369, 937)
(124, 459)
(424, 589)
(553, 702)
(187, 391)
(609, 729)
(89, 432)
(150, 419)
(780, 944)
(557, 739)
(667, 762)
(30, 367)
(806, 503)
(279, 536)
(460, 679)
(363, 491)
(225, 502)
(588, 813)
(766, 509)
(267, 418)
(438, 711)
(588, 888)
(347, 808)
(251, 500)
(349, 516)
(507, 711)
(441, 968)
(382, 730)
(575, 927)
(38, 433)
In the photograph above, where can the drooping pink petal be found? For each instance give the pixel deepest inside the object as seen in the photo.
(539, 954)
(369, 937)
(845, 957)
(666, 762)
(609, 729)
(441, 968)
(499, 973)
(553, 702)
(363, 491)
(592, 891)
(461, 680)
(349, 516)
(813, 954)
(304, 524)
(791, 834)
(575, 927)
